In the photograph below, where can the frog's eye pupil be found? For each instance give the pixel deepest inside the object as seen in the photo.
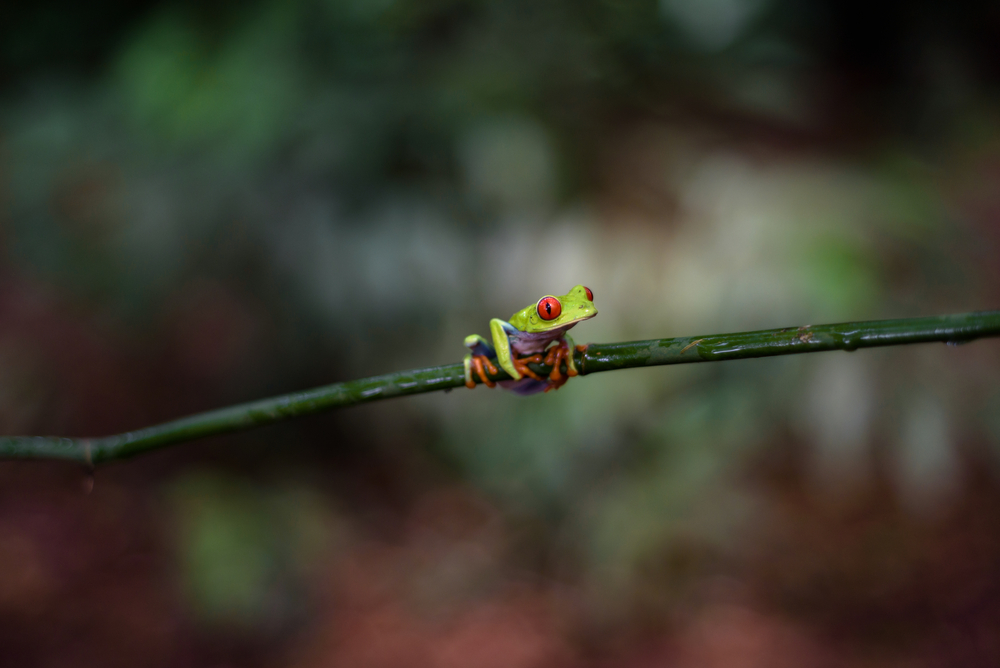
(590, 295)
(548, 308)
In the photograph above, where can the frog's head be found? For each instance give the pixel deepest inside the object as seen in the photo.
(551, 312)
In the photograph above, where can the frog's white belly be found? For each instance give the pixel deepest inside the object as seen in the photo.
(529, 343)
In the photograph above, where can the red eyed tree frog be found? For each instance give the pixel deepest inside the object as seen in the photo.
(524, 340)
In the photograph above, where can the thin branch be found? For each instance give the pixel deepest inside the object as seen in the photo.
(951, 329)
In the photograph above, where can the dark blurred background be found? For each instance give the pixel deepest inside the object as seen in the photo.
(203, 203)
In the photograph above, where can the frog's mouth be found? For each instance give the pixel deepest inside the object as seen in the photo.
(588, 313)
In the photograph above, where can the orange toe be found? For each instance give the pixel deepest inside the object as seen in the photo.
(556, 356)
(521, 364)
(481, 364)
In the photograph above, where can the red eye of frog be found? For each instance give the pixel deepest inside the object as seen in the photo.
(590, 295)
(548, 308)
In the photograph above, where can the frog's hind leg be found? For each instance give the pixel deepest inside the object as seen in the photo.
(480, 346)
(479, 360)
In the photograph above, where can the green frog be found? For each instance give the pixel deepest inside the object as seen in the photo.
(525, 339)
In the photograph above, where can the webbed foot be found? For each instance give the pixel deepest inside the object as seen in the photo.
(481, 364)
(555, 356)
(521, 364)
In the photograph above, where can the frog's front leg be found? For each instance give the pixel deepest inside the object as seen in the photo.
(479, 360)
(501, 331)
(517, 367)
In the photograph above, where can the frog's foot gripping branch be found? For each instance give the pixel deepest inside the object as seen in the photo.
(521, 364)
(555, 357)
(479, 360)
(482, 365)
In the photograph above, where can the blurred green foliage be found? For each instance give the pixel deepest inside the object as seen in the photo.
(247, 554)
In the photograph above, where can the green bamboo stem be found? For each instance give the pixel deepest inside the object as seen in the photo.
(951, 329)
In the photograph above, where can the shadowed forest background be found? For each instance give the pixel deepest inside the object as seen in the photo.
(207, 203)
